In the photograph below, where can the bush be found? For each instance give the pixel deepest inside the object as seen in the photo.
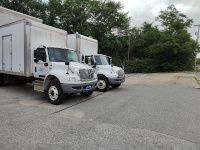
(198, 60)
(139, 66)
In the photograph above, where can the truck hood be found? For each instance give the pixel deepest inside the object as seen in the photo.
(109, 67)
(74, 66)
(116, 68)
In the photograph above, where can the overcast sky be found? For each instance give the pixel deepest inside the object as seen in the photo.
(142, 11)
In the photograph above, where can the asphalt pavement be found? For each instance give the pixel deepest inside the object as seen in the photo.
(141, 117)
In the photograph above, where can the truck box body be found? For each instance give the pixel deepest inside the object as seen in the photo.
(8, 16)
(82, 44)
(20, 39)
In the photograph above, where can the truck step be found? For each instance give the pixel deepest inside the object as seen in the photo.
(38, 86)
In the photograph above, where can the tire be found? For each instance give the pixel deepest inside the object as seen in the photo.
(20, 82)
(54, 93)
(87, 93)
(102, 84)
(1, 79)
(115, 85)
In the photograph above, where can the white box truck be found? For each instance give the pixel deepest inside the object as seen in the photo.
(87, 47)
(26, 55)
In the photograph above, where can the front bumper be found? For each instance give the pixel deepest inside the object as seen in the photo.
(118, 80)
(79, 88)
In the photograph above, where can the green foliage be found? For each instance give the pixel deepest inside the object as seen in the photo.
(54, 9)
(198, 61)
(173, 20)
(171, 49)
(100, 19)
(75, 16)
(139, 66)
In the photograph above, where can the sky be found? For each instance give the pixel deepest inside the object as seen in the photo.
(142, 11)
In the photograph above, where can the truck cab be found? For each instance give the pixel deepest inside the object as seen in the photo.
(107, 73)
(58, 71)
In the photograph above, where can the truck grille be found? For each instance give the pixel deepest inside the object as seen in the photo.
(120, 73)
(86, 74)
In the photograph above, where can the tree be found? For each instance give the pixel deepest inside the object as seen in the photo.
(75, 16)
(171, 49)
(109, 25)
(102, 20)
(174, 20)
(54, 9)
(145, 37)
(176, 47)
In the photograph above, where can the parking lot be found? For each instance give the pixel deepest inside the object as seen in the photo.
(149, 111)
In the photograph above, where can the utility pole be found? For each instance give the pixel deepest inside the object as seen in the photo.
(197, 40)
(129, 45)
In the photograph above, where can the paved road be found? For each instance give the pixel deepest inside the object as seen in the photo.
(130, 117)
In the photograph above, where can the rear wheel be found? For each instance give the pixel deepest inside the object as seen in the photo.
(1, 79)
(115, 85)
(102, 84)
(54, 93)
(87, 93)
(21, 82)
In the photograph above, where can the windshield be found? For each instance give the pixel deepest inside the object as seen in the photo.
(62, 55)
(102, 60)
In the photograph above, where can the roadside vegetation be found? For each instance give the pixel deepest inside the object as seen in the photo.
(152, 49)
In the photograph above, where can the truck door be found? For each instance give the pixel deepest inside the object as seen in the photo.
(7, 53)
(40, 65)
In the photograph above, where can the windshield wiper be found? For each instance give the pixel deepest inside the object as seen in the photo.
(71, 60)
(60, 60)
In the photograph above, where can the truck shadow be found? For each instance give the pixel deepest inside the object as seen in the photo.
(26, 96)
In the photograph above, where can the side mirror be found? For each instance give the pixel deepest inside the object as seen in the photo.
(67, 63)
(36, 60)
(89, 60)
(36, 54)
(95, 64)
(111, 61)
(83, 59)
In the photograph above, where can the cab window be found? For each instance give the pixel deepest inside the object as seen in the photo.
(42, 54)
(86, 60)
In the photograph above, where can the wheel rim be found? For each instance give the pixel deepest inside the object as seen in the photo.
(101, 84)
(53, 93)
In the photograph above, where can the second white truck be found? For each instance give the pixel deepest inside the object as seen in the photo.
(87, 48)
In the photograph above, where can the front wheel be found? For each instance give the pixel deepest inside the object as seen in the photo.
(87, 93)
(54, 93)
(115, 85)
(102, 84)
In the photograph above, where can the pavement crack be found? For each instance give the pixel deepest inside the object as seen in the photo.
(89, 98)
